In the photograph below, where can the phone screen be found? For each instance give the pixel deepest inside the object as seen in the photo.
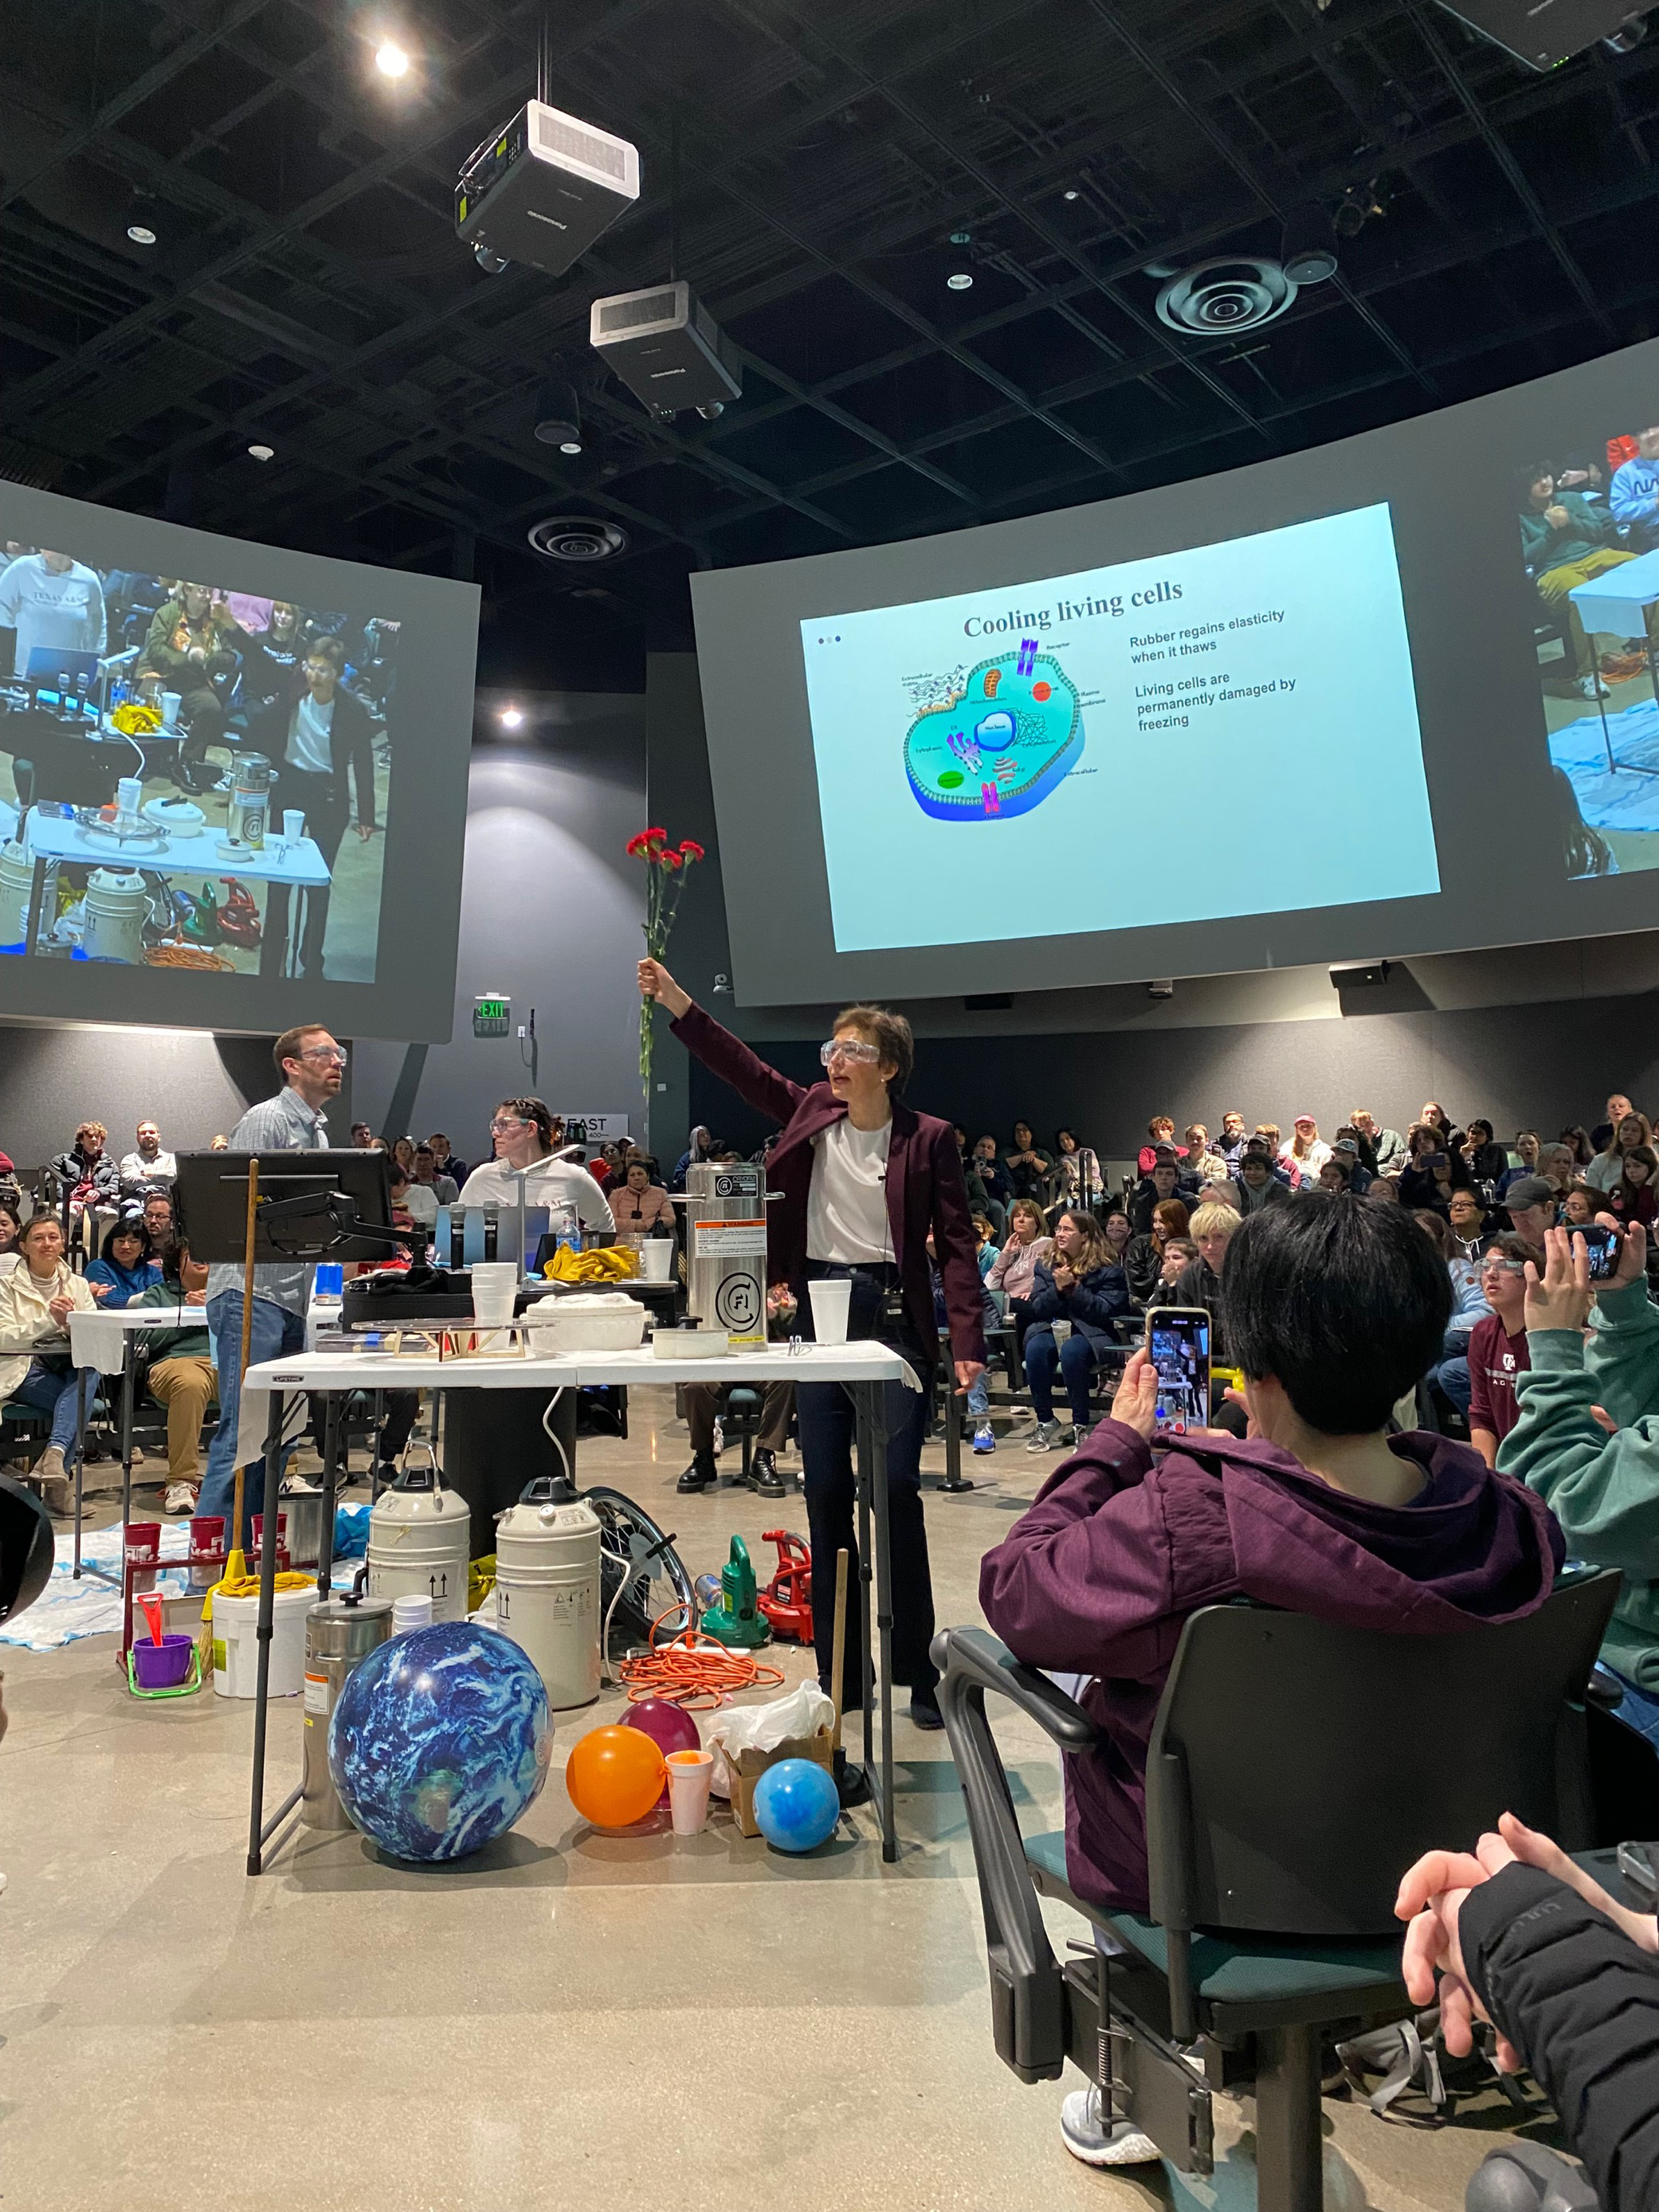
(1603, 1249)
(1178, 1338)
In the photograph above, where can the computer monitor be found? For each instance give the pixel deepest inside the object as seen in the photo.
(311, 1205)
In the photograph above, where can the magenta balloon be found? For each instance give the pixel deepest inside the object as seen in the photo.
(668, 1727)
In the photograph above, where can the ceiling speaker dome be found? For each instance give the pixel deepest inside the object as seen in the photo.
(577, 537)
(1217, 298)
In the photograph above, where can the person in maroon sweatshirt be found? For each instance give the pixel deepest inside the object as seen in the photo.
(1334, 1309)
(863, 1181)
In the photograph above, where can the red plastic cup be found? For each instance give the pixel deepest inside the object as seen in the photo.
(143, 1552)
(207, 1547)
(255, 1556)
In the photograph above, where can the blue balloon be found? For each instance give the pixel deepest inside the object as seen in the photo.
(796, 1805)
(440, 1739)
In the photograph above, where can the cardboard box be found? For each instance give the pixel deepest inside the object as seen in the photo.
(747, 1768)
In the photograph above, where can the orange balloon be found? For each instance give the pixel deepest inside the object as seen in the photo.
(614, 1776)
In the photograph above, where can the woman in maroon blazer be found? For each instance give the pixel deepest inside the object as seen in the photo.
(864, 1181)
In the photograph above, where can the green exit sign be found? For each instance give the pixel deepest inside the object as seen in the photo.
(491, 1017)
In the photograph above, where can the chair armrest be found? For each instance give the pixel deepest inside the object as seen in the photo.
(975, 1656)
(1028, 1992)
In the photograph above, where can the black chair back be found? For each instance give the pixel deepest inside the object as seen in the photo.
(1297, 1767)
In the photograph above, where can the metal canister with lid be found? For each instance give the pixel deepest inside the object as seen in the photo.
(339, 1633)
(725, 1250)
(250, 799)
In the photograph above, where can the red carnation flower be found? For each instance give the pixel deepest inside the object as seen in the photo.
(691, 850)
(670, 860)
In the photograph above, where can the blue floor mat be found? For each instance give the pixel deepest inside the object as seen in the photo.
(1607, 799)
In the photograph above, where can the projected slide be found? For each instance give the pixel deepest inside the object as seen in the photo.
(1227, 731)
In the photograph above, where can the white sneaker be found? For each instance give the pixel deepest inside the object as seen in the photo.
(299, 1485)
(1042, 1438)
(1083, 2136)
(984, 1437)
(1067, 1438)
(1590, 687)
(179, 1498)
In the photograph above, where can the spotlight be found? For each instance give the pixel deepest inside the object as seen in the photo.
(512, 717)
(144, 223)
(262, 453)
(1071, 193)
(959, 280)
(1356, 208)
(558, 418)
(391, 60)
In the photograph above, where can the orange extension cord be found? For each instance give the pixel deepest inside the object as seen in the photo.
(692, 1671)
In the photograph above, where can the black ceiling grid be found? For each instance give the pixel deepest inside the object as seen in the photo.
(839, 160)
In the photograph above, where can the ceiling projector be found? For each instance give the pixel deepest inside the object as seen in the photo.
(668, 348)
(543, 188)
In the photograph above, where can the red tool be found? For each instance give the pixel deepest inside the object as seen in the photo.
(786, 1601)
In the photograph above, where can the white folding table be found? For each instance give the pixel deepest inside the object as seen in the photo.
(865, 1368)
(281, 864)
(102, 1342)
(1619, 599)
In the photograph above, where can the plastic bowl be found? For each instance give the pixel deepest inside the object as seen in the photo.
(586, 1322)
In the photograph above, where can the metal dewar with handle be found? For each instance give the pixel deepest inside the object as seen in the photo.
(547, 1588)
(418, 1542)
(339, 1632)
(725, 1250)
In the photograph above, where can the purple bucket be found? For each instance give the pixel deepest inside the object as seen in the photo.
(161, 1666)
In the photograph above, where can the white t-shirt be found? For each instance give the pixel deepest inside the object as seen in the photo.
(44, 608)
(545, 1184)
(310, 748)
(846, 1198)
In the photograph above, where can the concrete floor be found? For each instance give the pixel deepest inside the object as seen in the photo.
(566, 2020)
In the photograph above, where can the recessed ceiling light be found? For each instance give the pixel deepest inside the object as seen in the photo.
(1071, 193)
(570, 445)
(262, 453)
(140, 233)
(391, 60)
(511, 718)
(959, 281)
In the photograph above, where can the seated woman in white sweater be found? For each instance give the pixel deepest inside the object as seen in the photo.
(37, 1298)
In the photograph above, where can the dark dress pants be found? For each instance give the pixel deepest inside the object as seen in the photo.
(828, 1436)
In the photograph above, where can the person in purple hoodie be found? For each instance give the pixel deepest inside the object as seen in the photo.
(1334, 1309)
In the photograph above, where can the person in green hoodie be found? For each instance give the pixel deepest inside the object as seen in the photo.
(1588, 1439)
(181, 1375)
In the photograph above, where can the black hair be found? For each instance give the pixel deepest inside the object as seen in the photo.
(133, 1225)
(172, 1256)
(1344, 1305)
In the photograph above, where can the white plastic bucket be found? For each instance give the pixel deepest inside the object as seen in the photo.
(236, 1646)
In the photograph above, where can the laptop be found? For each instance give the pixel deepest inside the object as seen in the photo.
(48, 663)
